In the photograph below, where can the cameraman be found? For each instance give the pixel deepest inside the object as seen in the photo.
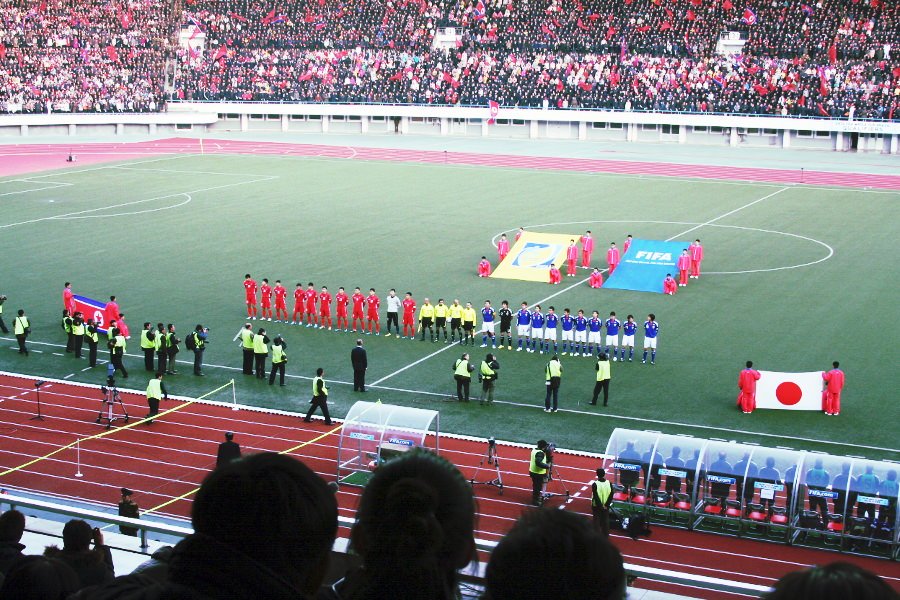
(2, 324)
(78, 329)
(462, 373)
(488, 375)
(93, 340)
(538, 468)
(201, 337)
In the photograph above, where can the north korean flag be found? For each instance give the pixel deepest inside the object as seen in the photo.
(92, 309)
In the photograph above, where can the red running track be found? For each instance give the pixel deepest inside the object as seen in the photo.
(20, 159)
(170, 458)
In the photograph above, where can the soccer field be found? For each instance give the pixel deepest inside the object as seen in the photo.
(794, 277)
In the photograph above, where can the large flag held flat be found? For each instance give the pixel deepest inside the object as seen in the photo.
(645, 265)
(789, 391)
(93, 309)
(531, 256)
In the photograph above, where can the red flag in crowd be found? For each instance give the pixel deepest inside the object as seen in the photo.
(585, 86)
(2, 51)
(581, 24)
(669, 12)
(896, 72)
(126, 18)
(42, 6)
(112, 54)
(690, 16)
(643, 28)
(221, 53)
(657, 2)
(696, 2)
(309, 74)
(823, 82)
(664, 26)
(822, 110)
(760, 89)
(727, 5)
(832, 53)
(494, 110)
(238, 17)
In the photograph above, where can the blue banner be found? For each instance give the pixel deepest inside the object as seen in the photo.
(645, 265)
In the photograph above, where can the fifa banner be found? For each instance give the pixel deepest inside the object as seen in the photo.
(531, 256)
(92, 309)
(645, 265)
(789, 391)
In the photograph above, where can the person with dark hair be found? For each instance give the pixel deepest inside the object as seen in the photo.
(22, 329)
(319, 398)
(229, 450)
(747, 379)
(156, 391)
(279, 360)
(40, 578)
(414, 530)
(91, 565)
(835, 581)
(128, 508)
(538, 466)
(263, 525)
(359, 361)
(601, 500)
(553, 553)
(12, 527)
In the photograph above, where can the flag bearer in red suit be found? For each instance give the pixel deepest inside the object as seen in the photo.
(612, 257)
(834, 383)
(502, 247)
(555, 275)
(69, 299)
(669, 285)
(696, 259)
(325, 308)
(484, 267)
(519, 233)
(627, 244)
(684, 265)
(265, 299)
(250, 293)
(299, 295)
(571, 258)
(280, 306)
(587, 248)
(341, 300)
(747, 384)
(596, 279)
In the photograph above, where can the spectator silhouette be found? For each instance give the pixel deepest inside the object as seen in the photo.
(12, 526)
(92, 565)
(40, 578)
(835, 581)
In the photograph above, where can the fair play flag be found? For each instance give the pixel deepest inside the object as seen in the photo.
(789, 391)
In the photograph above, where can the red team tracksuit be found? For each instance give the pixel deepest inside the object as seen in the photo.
(587, 248)
(612, 259)
(502, 249)
(684, 264)
(571, 259)
(669, 286)
(555, 276)
(747, 384)
(596, 280)
(484, 268)
(299, 294)
(831, 397)
(310, 296)
(696, 251)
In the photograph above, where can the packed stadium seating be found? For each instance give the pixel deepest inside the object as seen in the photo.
(831, 58)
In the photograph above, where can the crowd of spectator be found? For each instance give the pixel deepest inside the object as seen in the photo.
(832, 58)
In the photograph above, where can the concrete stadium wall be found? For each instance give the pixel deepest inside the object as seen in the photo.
(511, 123)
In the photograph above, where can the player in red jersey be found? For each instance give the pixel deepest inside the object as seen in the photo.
(280, 304)
(502, 247)
(250, 292)
(265, 299)
(571, 258)
(587, 248)
(409, 316)
(372, 304)
(555, 275)
(596, 279)
(747, 384)
(341, 300)
(310, 297)
(612, 257)
(69, 298)
(298, 305)
(670, 286)
(358, 301)
(684, 264)
(696, 258)
(484, 267)
(325, 308)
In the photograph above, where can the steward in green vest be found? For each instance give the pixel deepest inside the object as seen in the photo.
(172, 342)
(279, 359)
(488, 373)
(117, 353)
(77, 334)
(148, 345)
(22, 329)
(162, 349)
(93, 340)
(67, 327)
(319, 398)
(462, 373)
(245, 334)
(537, 470)
(601, 499)
(260, 352)
(553, 374)
(603, 376)
(156, 390)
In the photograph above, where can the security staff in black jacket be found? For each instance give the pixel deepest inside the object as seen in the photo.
(92, 335)
(162, 349)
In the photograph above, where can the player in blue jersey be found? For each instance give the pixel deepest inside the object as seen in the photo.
(487, 325)
(580, 335)
(523, 326)
(537, 329)
(568, 331)
(612, 334)
(651, 329)
(629, 327)
(550, 323)
(594, 335)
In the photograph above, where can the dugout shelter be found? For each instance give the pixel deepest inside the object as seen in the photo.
(783, 495)
(373, 433)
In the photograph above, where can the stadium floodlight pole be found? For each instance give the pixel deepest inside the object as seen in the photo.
(37, 390)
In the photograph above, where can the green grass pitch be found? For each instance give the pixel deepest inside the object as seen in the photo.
(173, 237)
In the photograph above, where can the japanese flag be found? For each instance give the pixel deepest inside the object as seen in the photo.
(789, 391)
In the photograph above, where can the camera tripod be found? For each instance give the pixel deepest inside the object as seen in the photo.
(553, 475)
(110, 397)
(491, 458)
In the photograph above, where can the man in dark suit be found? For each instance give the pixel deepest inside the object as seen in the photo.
(229, 450)
(359, 362)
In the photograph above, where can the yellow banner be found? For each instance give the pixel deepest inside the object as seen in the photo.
(531, 256)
